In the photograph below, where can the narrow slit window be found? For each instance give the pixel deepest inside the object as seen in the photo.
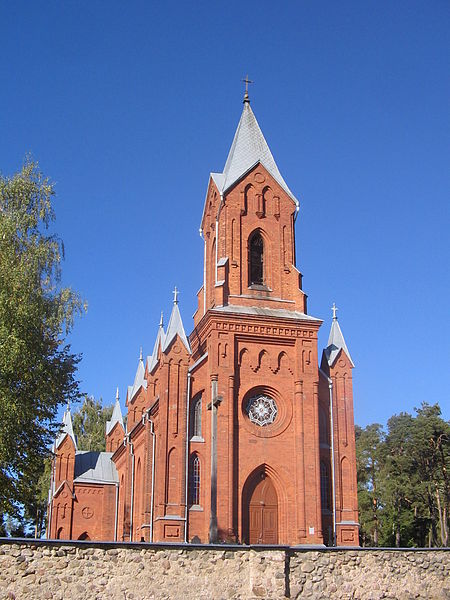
(195, 480)
(256, 260)
(324, 486)
(197, 418)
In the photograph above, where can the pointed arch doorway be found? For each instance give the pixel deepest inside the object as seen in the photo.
(261, 511)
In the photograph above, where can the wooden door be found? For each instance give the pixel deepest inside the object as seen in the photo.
(263, 513)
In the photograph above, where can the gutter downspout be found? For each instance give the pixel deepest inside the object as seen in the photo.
(152, 431)
(116, 518)
(132, 488)
(186, 468)
(217, 249)
(333, 475)
(204, 270)
(52, 491)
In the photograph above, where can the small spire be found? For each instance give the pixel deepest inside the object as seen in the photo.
(161, 321)
(175, 295)
(140, 353)
(246, 96)
(334, 309)
(117, 394)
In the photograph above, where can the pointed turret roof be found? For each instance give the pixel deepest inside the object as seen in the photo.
(67, 429)
(116, 416)
(139, 379)
(152, 360)
(175, 327)
(336, 342)
(249, 147)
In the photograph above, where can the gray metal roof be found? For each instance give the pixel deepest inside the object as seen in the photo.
(139, 380)
(116, 416)
(95, 467)
(265, 312)
(67, 429)
(336, 343)
(152, 360)
(249, 148)
(174, 328)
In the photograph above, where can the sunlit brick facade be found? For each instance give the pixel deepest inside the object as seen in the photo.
(229, 433)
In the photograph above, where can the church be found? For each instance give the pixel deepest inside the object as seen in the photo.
(237, 432)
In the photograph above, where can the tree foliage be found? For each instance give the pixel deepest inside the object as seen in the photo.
(89, 424)
(37, 368)
(403, 485)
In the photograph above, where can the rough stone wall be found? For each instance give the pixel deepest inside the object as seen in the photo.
(64, 571)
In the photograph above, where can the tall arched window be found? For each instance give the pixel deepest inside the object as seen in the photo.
(197, 417)
(195, 480)
(324, 486)
(256, 260)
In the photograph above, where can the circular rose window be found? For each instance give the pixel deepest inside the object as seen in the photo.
(262, 410)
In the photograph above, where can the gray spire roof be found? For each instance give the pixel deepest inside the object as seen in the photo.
(175, 327)
(116, 416)
(248, 148)
(139, 379)
(152, 360)
(336, 343)
(67, 429)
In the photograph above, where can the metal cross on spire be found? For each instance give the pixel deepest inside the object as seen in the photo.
(175, 295)
(246, 81)
(117, 394)
(334, 309)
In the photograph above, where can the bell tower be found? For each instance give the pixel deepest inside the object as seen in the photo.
(256, 348)
(248, 229)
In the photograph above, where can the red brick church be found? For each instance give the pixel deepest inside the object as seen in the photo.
(235, 432)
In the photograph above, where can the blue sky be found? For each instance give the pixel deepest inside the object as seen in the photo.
(129, 106)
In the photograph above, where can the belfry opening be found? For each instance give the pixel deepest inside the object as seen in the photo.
(240, 431)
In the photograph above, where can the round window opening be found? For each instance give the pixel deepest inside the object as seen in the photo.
(262, 410)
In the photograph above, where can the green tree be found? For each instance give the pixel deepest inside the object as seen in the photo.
(431, 462)
(398, 482)
(368, 453)
(403, 484)
(89, 424)
(37, 368)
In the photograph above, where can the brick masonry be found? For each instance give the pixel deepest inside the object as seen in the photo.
(68, 570)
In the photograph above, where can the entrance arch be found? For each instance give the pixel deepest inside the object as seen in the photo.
(260, 511)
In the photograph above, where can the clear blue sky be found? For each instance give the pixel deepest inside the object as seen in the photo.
(129, 105)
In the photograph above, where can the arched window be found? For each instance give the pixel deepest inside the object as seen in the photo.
(256, 260)
(195, 480)
(197, 417)
(324, 486)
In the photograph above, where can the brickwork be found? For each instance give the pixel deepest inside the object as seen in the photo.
(253, 351)
(40, 570)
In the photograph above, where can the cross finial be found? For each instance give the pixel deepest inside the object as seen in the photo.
(334, 309)
(161, 321)
(175, 295)
(246, 81)
(140, 353)
(117, 394)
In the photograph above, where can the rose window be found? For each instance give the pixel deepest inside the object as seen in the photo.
(262, 410)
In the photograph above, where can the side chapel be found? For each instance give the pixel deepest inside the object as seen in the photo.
(236, 432)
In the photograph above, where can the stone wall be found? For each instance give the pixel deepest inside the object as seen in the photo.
(86, 570)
